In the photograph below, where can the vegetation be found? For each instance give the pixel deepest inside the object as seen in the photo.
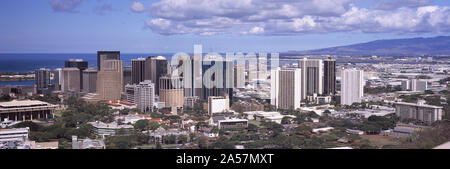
(384, 89)
(428, 138)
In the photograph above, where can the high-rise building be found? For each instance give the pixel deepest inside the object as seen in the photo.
(312, 76)
(106, 55)
(239, 76)
(191, 68)
(144, 96)
(109, 80)
(352, 89)
(129, 92)
(90, 80)
(71, 80)
(155, 68)
(286, 88)
(42, 80)
(57, 78)
(329, 77)
(138, 70)
(171, 91)
(80, 64)
(218, 78)
(126, 76)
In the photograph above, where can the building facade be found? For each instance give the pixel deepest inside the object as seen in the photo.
(286, 88)
(144, 96)
(352, 89)
(329, 77)
(419, 111)
(171, 91)
(137, 70)
(106, 55)
(90, 80)
(71, 80)
(25, 110)
(155, 68)
(218, 78)
(109, 80)
(312, 76)
(80, 64)
(42, 80)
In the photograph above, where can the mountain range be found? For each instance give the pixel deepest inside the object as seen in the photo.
(394, 47)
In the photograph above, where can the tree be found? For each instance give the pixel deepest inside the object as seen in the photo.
(153, 126)
(428, 92)
(202, 142)
(142, 125)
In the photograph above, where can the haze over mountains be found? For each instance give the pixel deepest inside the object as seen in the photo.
(398, 47)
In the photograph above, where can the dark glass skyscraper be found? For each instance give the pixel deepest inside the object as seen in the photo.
(329, 83)
(137, 70)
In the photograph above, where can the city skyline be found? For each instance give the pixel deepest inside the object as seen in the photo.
(166, 26)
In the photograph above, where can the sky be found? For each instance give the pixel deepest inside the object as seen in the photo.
(170, 26)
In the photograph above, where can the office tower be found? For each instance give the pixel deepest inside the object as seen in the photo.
(57, 78)
(90, 80)
(71, 80)
(171, 91)
(129, 92)
(419, 111)
(286, 88)
(239, 76)
(352, 89)
(191, 68)
(218, 78)
(144, 96)
(109, 80)
(106, 55)
(126, 76)
(80, 64)
(312, 76)
(42, 80)
(155, 68)
(137, 70)
(329, 77)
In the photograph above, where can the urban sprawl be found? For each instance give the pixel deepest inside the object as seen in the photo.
(192, 102)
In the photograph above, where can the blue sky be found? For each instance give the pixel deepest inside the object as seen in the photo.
(162, 26)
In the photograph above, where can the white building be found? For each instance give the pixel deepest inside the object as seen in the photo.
(352, 89)
(414, 85)
(16, 134)
(218, 104)
(286, 88)
(144, 96)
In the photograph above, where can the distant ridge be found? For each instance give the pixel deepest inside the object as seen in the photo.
(398, 47)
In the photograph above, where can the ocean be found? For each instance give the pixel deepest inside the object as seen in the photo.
(29, 62)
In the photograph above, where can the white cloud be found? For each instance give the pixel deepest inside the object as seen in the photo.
(285, 17)
(137, 7)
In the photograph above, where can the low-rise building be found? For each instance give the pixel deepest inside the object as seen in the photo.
(110, 129)
(419, 111)
(232, 123)
(87, 143)
(15, 134)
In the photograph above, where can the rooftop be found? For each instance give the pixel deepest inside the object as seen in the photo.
(21, 103)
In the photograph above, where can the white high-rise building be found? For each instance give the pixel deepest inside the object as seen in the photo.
(312, 76)
(144, 95)
(352, 89)
(286, 88)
